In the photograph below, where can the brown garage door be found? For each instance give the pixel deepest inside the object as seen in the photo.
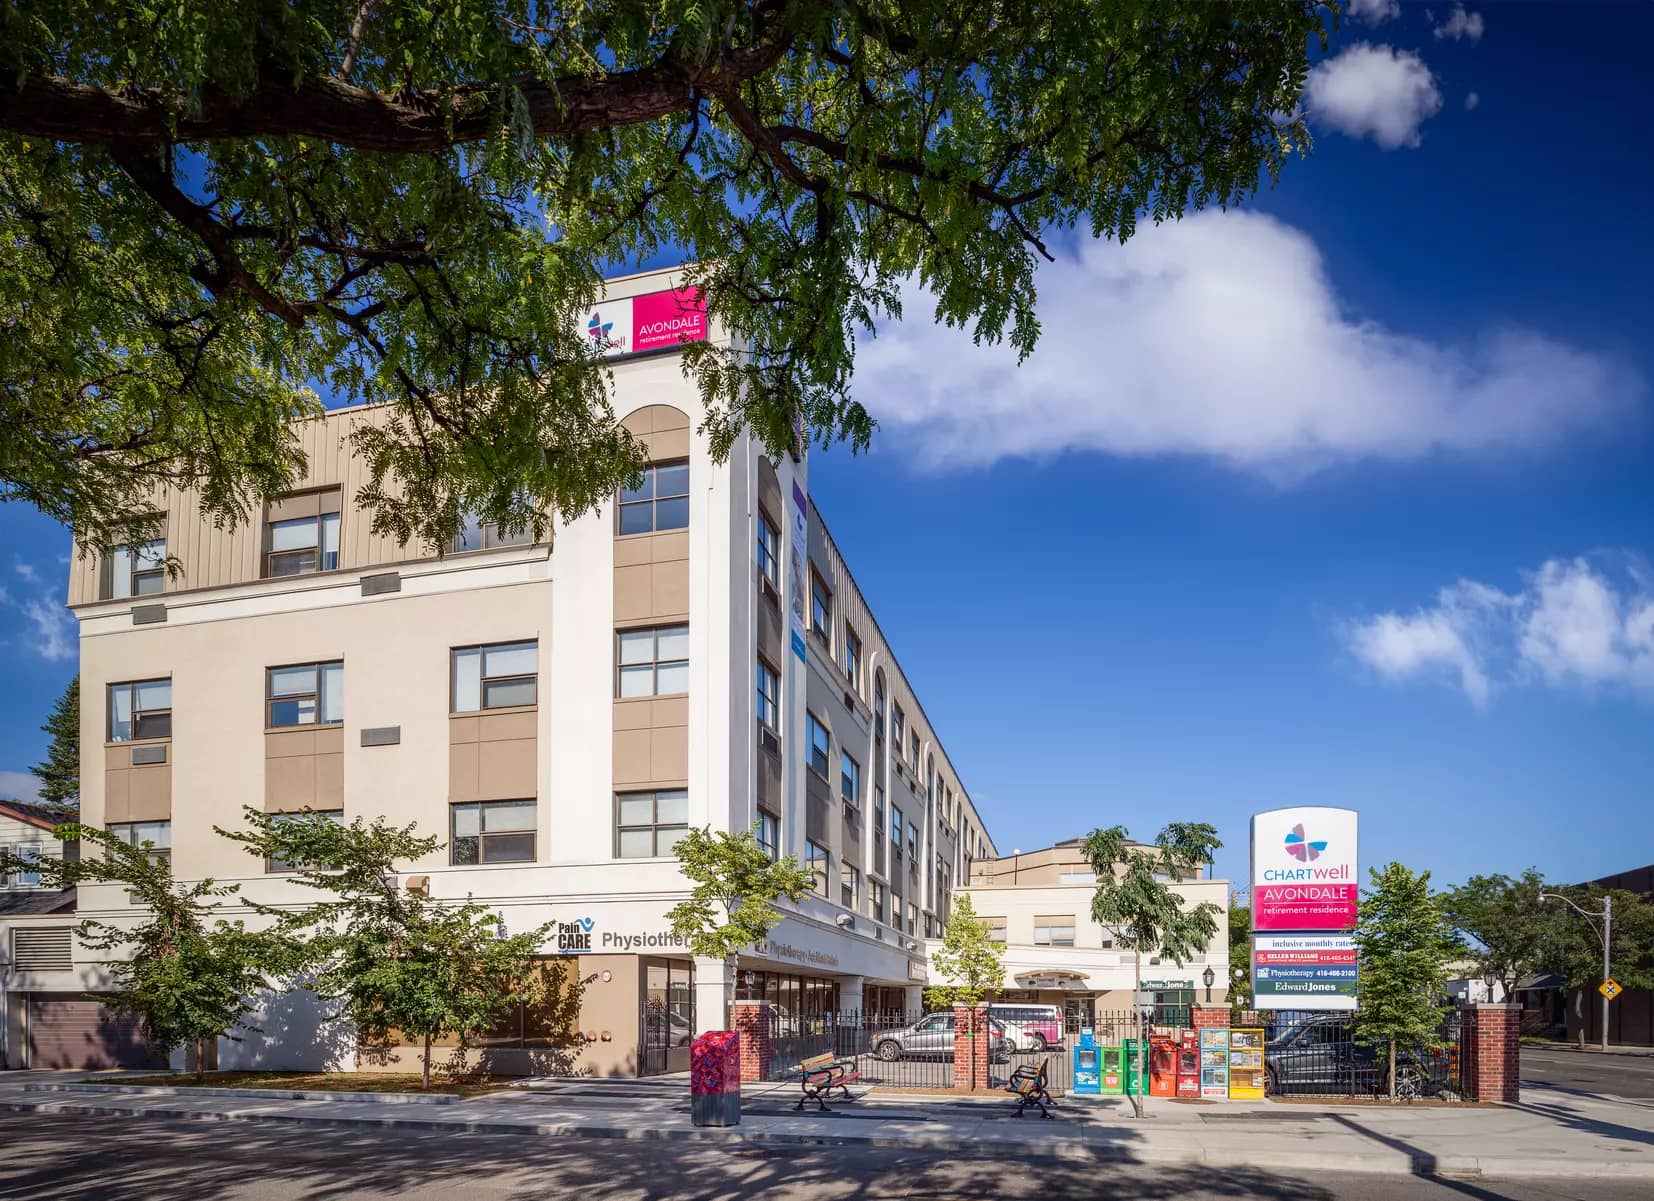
(74, 1032)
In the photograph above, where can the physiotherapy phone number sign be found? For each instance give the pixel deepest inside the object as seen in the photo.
(1304, 901)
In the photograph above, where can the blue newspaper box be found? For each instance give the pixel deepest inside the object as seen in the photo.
(1088, 1065)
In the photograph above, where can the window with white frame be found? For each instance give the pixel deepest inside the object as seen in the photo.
(996, 928)
(501, 675)
(852, 657)
(304, 694)
(821, 746)
(155, 837)
(23, 877)
(767, 830)
(138, 569)
(897, 723)
(815, 862)
(660, 502)
(482, 832)
(768, 550)
(652, 662)
(896, 827)
(849, 886)
(1054, 931)
(876, 893)
(649, 824)
(301, 534)
(140, 709)
(476, 534)
(821, 609)
(849, 781)
(769, 695)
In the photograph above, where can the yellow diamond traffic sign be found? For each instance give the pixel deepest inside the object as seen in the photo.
(1610, 988)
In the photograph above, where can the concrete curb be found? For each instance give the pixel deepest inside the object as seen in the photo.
(1391, 1163)
(248, 1094)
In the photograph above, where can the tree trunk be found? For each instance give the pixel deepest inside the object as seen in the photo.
(427, 1084)
(1579, 1017)
(1142, 1030)
(200, 1061)
(1392, 1069)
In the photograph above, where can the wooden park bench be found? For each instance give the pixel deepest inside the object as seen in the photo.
(821, 1074)
(1028, 1086)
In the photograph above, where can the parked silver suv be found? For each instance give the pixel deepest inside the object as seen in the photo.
(932, 1037)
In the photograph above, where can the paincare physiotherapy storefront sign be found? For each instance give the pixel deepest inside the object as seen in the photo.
(1304, 901)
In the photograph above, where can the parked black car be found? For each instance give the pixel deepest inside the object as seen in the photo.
(1322, 1057)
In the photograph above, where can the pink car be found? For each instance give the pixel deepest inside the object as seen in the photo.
(1042, 1024)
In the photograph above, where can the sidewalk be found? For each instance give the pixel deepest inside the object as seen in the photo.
(1549, 1133)
(1589, 1048)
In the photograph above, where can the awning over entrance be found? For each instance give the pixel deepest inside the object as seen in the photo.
(1055, 977)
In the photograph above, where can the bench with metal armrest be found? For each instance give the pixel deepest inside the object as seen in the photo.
(1028, 1086)
(821, 1074)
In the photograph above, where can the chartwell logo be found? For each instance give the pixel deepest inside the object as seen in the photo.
(1301, 849)
(599, 328)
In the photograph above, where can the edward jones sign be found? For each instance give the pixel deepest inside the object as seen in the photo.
(1304, 869)
(653, 321)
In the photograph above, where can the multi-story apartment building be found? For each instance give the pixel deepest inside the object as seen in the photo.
(694, 653)
(1038, 904)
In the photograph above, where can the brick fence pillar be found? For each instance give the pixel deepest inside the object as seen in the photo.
(970, 1047)
(1203, 1017)
(752, 1020)
(1493, 1071)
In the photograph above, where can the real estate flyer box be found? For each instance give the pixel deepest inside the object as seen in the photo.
(1246, 1074)
(1214, 1063)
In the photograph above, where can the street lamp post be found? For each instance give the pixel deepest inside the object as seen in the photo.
(1606, 934)
(1207, 977)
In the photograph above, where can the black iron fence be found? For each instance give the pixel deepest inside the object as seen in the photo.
(1309, 1053)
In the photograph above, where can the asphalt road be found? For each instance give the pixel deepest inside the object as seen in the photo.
(109, 1159)
(1626, 1077)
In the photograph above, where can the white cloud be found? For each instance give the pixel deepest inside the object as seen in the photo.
(1471, 101)
(1375, 92)
(49, 630)
(1574, 623)
(1461, 24)
(1373, 12)
(1222, 336)
(26, 570)
(19, 785)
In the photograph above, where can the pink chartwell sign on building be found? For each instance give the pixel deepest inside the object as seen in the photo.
(653, 321)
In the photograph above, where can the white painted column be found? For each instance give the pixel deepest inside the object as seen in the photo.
(915, 999)
(714, 990)
(850, 994)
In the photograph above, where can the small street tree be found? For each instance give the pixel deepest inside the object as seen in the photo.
(183, 973)
(397, 962)
(59, 773)
(1509, 929)
(968, 957)
(1403, 940)
(734, 885)
(1135, 898)
(1574, 945)
(1240, 957)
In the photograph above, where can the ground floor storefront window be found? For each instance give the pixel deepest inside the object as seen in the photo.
(793, 996)
(668, 1016)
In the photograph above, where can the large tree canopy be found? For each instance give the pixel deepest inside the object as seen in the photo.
(210, 211)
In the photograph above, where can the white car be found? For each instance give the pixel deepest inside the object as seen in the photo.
(1020, 1037)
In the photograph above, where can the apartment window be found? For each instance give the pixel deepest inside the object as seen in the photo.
(135, 570)
(769, 693)
(653, 662)
(912, 918)
(157, 836)
(815, 862)
(142, 709)
(877, 891)
(26, 877)
(852, 657)
(897, 724)
(476, 534)
(649, 824)
(849, 782)
(301, 534)
(895, 906)
(492, 832)
(1077, 878)
(913, 749)
(336, 816)
(305, 694)
(769, 549)
(878, 810)
(1054, 931)
(849, 886)
(913, 842)
(820, 745)
(499, 676)
(821, 610)
(996, 928)
(896, 827)
(660, 502)
(767, 831)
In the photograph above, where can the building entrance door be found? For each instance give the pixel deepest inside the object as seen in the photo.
(668, 1015)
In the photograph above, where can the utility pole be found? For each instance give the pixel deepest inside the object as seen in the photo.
(1606, 934)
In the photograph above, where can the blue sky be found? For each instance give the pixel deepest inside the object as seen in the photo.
(1342, 499)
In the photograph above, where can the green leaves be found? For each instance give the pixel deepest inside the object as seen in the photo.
(1403, 940)
(371, 204)
(733, 889)
(1134, 897)
(968, 957)
(59, 775)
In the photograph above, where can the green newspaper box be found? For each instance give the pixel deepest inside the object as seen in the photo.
(1112, 1070)
(1137, 1080)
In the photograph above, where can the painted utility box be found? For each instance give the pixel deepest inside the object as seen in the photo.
(1088, 1066)
(715, 1078)
(1214, 1063)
